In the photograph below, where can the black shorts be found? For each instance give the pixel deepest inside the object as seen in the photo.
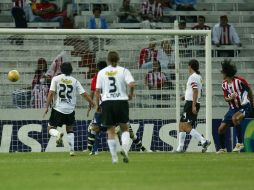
(57, 119)
(115, 112)
(187, 115)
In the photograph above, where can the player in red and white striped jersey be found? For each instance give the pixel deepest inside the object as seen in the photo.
(238, 94)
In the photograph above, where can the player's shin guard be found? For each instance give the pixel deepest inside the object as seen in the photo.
(112, 149)
(125, 138)
(181, 139)
(239, 133)
(70, 136)
(194, 133)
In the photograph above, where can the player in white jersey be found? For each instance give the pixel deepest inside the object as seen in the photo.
(63, 91)
(237, 92)
(114, 87)
(188, 120)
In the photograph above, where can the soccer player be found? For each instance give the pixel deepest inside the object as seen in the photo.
(112, 85)
(238, 94)
(188, 120)
(95, 126)
(63, 91)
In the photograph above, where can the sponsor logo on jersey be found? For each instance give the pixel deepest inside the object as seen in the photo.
(66, 81)
(111, 73)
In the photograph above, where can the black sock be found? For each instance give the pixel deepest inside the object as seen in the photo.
(239, 133)
(221, 141)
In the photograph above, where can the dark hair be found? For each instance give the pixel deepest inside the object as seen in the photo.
(113, 57)
(101, 65)
(41, 61)
(96, 9)
(228, 68)
(193, 63)
(66, 68)
(200, 16)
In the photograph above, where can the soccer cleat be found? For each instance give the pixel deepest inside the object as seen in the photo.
(221, 151)
(238, 147)
(125, 157)
(205, 146)
(94, 153)
(72, 153)
(114, 160)
(59, 139)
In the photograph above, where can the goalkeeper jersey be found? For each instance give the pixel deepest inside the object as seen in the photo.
(65, 88)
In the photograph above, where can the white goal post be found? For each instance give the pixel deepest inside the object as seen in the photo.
(146, 33)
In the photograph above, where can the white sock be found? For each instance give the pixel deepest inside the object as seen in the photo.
(70, 137)
(125, 138)
(197, 136)
(53, 132)
(112, 148)
(181, 139)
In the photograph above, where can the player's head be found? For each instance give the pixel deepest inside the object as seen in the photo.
(42, 64)
(194, 65)
(113, 58)
(228, 69)
(66, 68)
(101, 65)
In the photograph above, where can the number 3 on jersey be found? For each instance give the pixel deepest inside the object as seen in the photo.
(112, 84)
(62, 92)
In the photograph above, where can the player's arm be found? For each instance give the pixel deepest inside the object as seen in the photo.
(250, 96)
(194, 100)
(98, 96)
(88, 99)
(131, 86)
(49, 100)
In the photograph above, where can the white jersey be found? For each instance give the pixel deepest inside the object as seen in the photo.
(65, 88)
(194, 81)
(113, 82)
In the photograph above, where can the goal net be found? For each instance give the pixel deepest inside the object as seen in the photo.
(158, 60)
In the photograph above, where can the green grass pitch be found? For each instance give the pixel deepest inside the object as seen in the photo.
(145, 171)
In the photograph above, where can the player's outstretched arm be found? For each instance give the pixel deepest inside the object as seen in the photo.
(131, 86)
(88, 99)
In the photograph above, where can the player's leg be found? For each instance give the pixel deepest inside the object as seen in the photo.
(54, 121)
(69, 120)
(125, 139)
(112, 143)
(93, 131)
(236, 119)
(108, 120)
(181, 137)
(221, 132)
(122, 110)
(136, 140)
(70, 138)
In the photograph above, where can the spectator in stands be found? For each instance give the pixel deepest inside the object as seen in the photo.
(225, 34)
(148, 55)
(97, 21)
(157, 80)
(127, 13)
(47, 12)
(40, 85)
(151, 12)
(167, 7)
(200, 40)
(184, 41)
(55, 69)
(165, 55)
(19, 14)
(186, 5)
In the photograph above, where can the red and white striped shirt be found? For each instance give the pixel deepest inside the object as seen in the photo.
(154, 9)
(156, 80)
(200, 39)
(20, 3)
(147, 55)
(239, 86)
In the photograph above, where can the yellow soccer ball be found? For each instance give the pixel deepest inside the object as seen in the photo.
(13, 75)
